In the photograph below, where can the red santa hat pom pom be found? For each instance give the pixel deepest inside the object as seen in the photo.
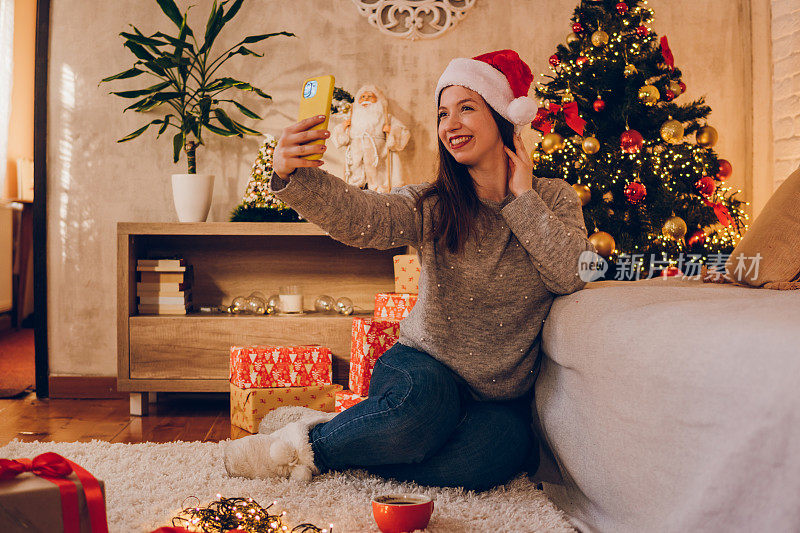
(521, 110)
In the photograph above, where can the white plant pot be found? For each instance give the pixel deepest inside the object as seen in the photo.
(192, 194)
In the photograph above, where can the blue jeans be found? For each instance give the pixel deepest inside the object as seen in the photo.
(421, 424)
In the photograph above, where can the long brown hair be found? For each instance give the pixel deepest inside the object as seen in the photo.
(458, 207)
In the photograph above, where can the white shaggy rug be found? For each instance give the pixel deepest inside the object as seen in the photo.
(147, 484)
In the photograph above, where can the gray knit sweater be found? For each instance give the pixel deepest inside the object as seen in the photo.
(480, 312)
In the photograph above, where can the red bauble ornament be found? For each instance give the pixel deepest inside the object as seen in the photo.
(669, 95)
(622, 8)
(706, 185)
(725, 170)
(554, 60)
(635, 191)
(682, 86)
(599, 105)
(643, 31)
(671, 271)
(631, 141)
(577, 27)
(581, 60)
(698, 237)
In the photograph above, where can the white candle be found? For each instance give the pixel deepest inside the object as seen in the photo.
(291, 303)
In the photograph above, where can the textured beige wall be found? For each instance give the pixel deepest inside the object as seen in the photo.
(94, 182)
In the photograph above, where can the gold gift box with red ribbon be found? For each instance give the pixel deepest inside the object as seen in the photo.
(406, 273)
(50, 493)
(248, 406)
(346, 399)
(281, 366)
(370, 338)
(394, 305)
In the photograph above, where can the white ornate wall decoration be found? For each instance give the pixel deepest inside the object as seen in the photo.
(414, 19)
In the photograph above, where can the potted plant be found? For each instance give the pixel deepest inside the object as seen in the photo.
(187, 85)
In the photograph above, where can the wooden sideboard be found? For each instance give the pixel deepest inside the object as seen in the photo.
(190, 353)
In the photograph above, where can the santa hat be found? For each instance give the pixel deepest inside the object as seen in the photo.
(501, 78)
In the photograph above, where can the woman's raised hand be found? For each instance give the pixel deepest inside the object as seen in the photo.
(521, 175)
(293, 144)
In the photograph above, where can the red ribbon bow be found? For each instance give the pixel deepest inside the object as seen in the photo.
(56, 469)
(543, 119)
(723, 215)
(667, 53)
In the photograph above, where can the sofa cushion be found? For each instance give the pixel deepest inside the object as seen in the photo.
(775, 235)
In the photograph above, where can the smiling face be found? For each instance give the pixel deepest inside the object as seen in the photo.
(466, 126)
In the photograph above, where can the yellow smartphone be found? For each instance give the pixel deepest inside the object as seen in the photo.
(316, 100)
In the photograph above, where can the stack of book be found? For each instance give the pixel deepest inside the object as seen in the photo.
(164, 286)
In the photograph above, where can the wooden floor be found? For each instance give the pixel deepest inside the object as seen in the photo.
(175, 417)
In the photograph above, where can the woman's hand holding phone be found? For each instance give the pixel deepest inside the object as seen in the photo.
(293, 145)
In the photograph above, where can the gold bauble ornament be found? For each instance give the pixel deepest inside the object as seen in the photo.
(573, 38)
(649, 94)
(584, 193)
(707, 137)
(603, 243)
(599, 38)
(630, 70)
(675, 87)
(674, 227)
(591, 145)
(567, 98)
(672, 131)
(552, 142)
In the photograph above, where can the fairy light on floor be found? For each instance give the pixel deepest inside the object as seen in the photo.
(225, 514)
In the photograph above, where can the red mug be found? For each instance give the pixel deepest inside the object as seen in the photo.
(402, 513)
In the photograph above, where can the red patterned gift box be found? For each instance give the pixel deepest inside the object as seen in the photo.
(281, 366)
(370, 338)
(346, 399)
(406, 273)
(394, 305)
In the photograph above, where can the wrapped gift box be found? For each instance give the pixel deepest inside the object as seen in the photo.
(346, 399)
(370, 338)
(31, 503)
(406, 273)
(248, 406)
(281, 366)
(394, 305)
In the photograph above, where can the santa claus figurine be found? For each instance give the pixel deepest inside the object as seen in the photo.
(372, 137)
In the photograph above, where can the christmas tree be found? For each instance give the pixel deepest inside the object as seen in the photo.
(258, 204)
(643, 165)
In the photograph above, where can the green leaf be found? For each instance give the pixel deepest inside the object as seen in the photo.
(141, 92)
(163, 97)
(213, 27)
(141, 39)
(179, 43)
(221, 131)
(164, 126)
(171, 10)
(177, 145)
(139, 50)
(257, 38)
(226, 121)
(138, 132)
(233, 10)
(244, 51)
(246, 112)
(130, 73)
(226, 83)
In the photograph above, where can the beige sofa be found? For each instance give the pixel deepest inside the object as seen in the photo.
(670, 404)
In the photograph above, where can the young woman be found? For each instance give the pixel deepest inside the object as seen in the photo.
(450, 403)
